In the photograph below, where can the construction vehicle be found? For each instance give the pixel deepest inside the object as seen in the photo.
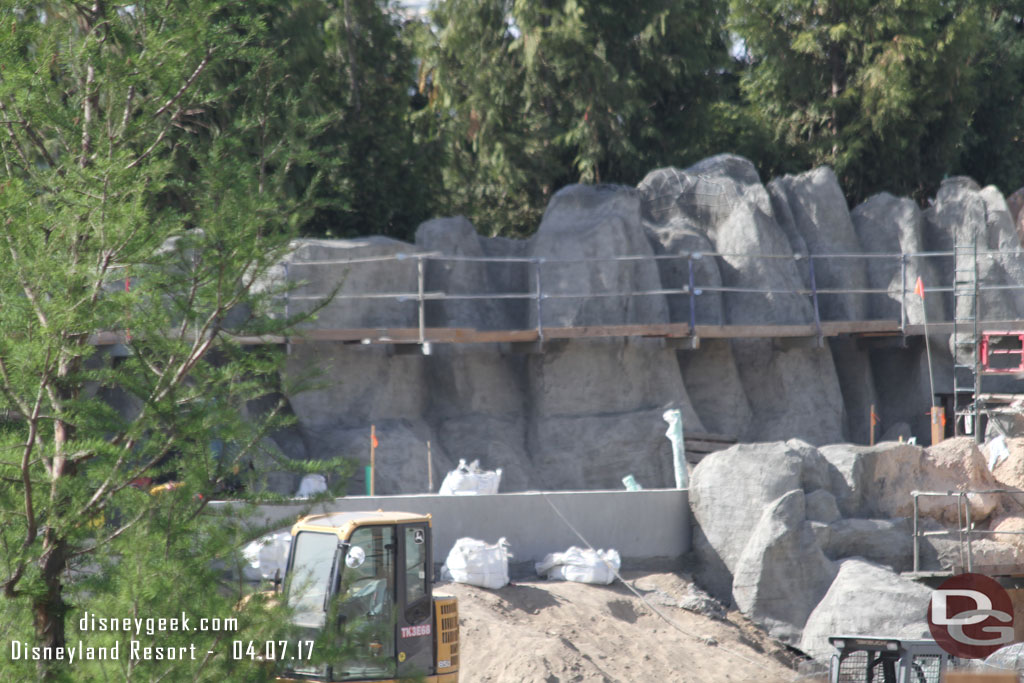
(887, 660)
(368, 577)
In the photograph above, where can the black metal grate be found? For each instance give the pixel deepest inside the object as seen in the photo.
(853, 668)
(926, 669)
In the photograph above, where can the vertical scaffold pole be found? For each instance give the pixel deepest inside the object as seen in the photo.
(693, 294)
(814, 298)
(903, 294)
(420, 282)
(540, 298)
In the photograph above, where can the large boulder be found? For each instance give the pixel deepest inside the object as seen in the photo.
(1009, 471)
(584, 231)
(877, 481)
(689, 244)
(349, 268)
(892, 225)
(1015, 202)
(723, 198)
(963, 214)
(703, 194)
(782, 572)
(886, 541)
(866, 599)
(822, 220)
(729, 491)
(947, 552)
(459, 276)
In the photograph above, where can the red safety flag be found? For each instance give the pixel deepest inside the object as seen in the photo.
(874, 417)
(919, 287)
(373, 439)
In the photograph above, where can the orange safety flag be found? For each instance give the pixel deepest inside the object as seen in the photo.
(919, 287)
(373, 440)
(874, 417)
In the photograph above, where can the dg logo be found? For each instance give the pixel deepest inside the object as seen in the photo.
(971, 616)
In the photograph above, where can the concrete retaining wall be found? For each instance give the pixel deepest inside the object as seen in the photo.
(649, 528)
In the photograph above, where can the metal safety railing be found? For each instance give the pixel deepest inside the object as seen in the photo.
(692, 282)
(964, 531)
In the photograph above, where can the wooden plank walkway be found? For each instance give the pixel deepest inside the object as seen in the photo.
(465, 335)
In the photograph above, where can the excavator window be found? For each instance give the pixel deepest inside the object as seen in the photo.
(313, 564)
(415, 564)
(366, 602)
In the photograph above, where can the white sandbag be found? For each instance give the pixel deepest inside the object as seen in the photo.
(470, 480)
(311, 485)
(269, 554)
(478, 563)
(581, 565)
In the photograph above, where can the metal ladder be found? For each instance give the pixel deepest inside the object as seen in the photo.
(966, 359)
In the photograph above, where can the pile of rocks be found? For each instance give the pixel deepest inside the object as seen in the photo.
(810, 542)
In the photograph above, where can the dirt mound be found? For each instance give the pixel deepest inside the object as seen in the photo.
(557, 632)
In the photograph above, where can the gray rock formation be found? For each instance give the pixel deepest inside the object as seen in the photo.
(585, 412)
(782, 573)
(889, 225)
(822, 221)
(886, 541)
(583, 230)
(729, 491)
(319, 267)
(771, 519)
(866, 599)
(876, 481)
(821, 507)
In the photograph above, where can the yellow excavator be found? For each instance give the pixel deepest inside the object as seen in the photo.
(367, 576)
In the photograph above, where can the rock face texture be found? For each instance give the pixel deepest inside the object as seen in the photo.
(866, 598)
(707, 245)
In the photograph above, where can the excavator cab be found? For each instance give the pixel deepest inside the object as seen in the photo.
(367, 577)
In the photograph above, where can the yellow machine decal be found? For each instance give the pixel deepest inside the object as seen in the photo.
(447, 619)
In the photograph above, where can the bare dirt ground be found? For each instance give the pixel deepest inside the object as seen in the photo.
(557, 632)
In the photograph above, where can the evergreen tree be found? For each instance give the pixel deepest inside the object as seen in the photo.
(995, 145)
(882, 90)
(144, 196)
(532, 95)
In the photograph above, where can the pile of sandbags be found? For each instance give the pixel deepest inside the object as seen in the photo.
(470, 480)
(581, 565)
(478, 563)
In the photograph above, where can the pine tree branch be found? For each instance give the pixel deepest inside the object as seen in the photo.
(188, 83)
(98, 544)
(149, 150)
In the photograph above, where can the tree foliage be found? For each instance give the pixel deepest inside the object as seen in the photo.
(532, 95)
(884, 91)
(350, 71)
(995, 141)
(144, 195)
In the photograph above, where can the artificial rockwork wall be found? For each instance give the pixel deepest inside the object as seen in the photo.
(582, 413)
